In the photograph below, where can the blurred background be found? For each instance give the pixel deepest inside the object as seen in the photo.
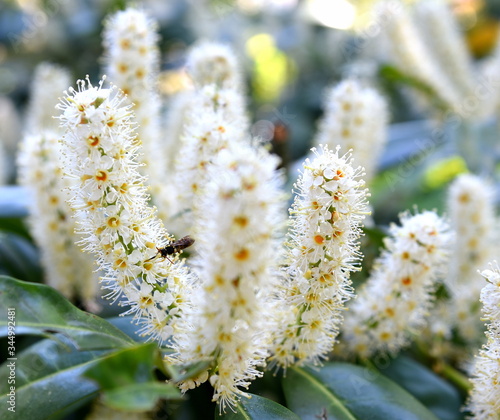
(290, 51)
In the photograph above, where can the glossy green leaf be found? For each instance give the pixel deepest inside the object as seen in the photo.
(48, 379)
(127, 381)
(257, 408)
(41, 310)
(430, 389)
(140, 396)
(19, 258)
(131, 365)
(347, 392)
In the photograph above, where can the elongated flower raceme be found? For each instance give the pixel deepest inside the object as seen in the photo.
(132, 61)
(411, 55)
(323, 249)
(441, 32)
(472, 214)
(394, 301)
(67, 268)
(355, 118)
(484, 398)
(110, 204)
(214, 118)
(237, 218)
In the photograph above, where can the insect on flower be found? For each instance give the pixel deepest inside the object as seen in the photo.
(174, 247)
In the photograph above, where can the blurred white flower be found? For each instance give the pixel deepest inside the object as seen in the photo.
(355, 118)
(236, 224)
(393, 303)
(67, 268)
(132, 60)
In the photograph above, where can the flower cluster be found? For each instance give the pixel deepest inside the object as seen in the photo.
(327, 214)
(472, 214)
(237, 217)
(394, 301)
(442, 33)
(350, 123)
(214, 119)
(110, 204)
(132, 63)
(411, 55)
(484, 398)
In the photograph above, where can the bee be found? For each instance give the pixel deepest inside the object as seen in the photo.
(174, 247)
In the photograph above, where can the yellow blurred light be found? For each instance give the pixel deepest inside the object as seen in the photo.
(338, 14)
(444, 171)
(271, 67)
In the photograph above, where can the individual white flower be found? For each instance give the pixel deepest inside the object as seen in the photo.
(440, 30)
(393, 303)
(49, 83)
(355, 118)
(484, 398)
(67, 268)
(323, 249)
(110, 204)
(236, 224)
(132, 60)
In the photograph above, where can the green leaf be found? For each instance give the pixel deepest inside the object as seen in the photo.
(19, 258)
(347, 392)
(395, 75)
(431, 390)
(139, 397)
(127, 380)
(41, 310)
(47, 380)
(257, 408)
(129, 366)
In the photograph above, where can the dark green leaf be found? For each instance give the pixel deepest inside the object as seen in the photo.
(395, 75)
(129, 366)
(347, 392)
(140, 396)
(19, 258)
(434, 392)
(127, 380)
(48, 381)
(14, 225)
(257, 408)
(41, 310)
